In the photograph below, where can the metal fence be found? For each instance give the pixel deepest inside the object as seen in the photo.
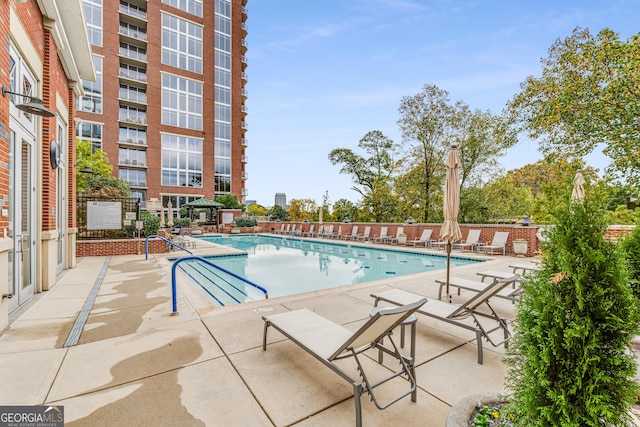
(107, 217)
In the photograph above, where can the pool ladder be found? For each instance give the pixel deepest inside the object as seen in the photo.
(216, 281)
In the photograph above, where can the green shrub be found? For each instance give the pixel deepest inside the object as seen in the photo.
(182, 222)
(569, 359)
(630, 247)
(151, 223)
(246, 222)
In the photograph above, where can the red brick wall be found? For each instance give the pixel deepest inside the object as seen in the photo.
(5, 7)
(413, 231)
(118, 247)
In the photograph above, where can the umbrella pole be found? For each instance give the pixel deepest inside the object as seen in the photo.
(448, 267)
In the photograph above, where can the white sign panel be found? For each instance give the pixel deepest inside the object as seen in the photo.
(104, 215)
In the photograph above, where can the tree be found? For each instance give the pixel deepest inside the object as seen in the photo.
(569, 358)
(278, 212)
(432, 125)
(426, 119)
(373, 173)
(256, 210)
(94, 159)
(229, 201)
(344, 209)
(588, 94)
(301, 209)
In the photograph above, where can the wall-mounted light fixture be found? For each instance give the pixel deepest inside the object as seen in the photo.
(35, 106)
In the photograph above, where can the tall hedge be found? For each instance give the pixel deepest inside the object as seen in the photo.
(569, 360)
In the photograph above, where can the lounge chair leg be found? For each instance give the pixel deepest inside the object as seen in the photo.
(357, 392)
(479, 341)
(264, 336)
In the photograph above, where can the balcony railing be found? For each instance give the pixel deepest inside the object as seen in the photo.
(136, 183)
(132, 10)
(132, 118)
(133, 141)
(139, 56)
(136, 34)
(133, 96)
(133, 75)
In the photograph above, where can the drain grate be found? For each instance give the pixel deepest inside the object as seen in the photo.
(78, 326)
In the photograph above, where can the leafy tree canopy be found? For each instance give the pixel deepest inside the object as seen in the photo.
(588, 94)
(229, 201)
(95, 159)
(256, 210)
(373, 173)
(278, 212)
(301, 209)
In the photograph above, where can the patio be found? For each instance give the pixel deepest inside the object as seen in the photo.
(135, 364)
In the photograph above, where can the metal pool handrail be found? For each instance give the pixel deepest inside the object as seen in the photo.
(200, 259)
(146, 245)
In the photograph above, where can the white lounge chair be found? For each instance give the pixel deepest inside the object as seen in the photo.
(383, 235)
(498, 244)
(328, 232)
(353, 234)
(366, 234)
(425, 238)
(456, 314)
(329, 342)
(395, 240)
(309, 232)
(473, 236)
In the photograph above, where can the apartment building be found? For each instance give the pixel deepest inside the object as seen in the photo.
(44, 54)
(168, 104)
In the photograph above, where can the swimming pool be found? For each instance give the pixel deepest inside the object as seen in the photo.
(287, 266)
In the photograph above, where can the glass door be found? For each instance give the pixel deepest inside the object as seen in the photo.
(21, 218)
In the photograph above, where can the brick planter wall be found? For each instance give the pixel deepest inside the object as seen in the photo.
(118, 247)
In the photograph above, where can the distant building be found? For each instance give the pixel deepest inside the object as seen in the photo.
(251, 202)
(281, 200)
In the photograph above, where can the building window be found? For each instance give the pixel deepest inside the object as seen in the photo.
(131, 156)
(181, 102)
(181, 161)
(88, 131)
(133, 73)
(133, 115)
(132, 135)
(181, 43)
(223, 25)
(223, 7)
(140, 195)
(193, 7)
(222, 77)
(91, 102)
(222, 60)
(222, 184)
(134, 177)
(223, 42)
(133, 93)
(93, 18)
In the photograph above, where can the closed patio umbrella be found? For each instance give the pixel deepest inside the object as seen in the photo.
(450, 230)
(577, 195)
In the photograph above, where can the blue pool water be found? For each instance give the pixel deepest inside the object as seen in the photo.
(291, 266)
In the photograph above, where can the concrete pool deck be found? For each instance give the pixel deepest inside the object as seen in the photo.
(135, 364)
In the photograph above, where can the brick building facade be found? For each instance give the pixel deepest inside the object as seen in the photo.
(168, 107)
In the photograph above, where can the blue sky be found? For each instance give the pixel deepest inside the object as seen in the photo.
(323, 73)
